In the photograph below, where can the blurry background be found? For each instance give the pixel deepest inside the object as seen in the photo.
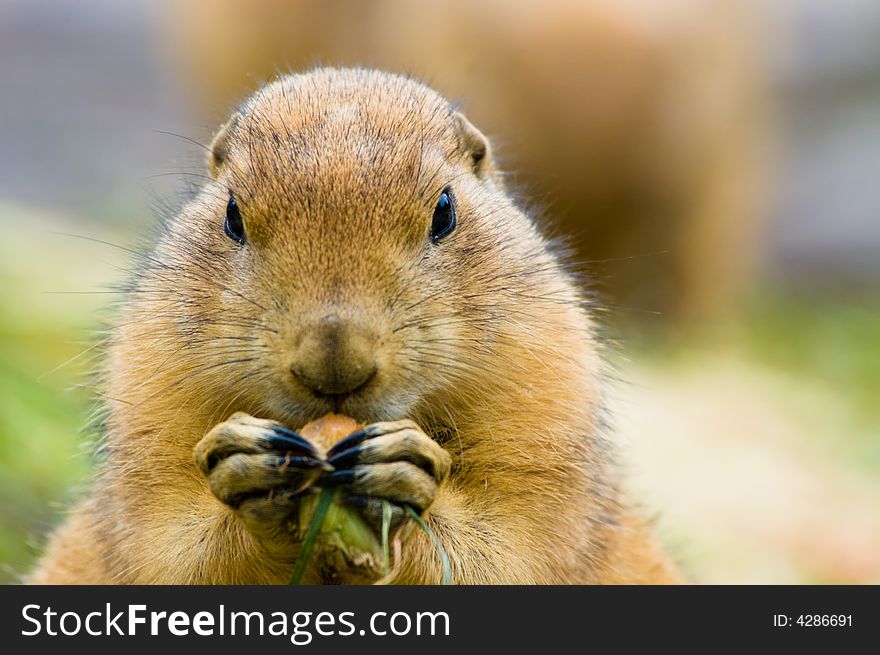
(716, 165)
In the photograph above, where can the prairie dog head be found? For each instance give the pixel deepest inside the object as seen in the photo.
(354, 252)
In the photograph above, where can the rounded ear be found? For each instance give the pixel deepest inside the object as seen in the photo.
(220, 146)
(476, 146)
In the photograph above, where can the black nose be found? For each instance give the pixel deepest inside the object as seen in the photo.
(335, 356)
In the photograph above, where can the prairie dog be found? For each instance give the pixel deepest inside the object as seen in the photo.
(354, 251)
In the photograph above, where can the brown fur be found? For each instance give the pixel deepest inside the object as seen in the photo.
(484, 341)
(643, 127)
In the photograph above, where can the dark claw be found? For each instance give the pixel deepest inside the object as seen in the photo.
(353, 440)
(284, 439)
(297, 462)
(346, 458)
(339, 477)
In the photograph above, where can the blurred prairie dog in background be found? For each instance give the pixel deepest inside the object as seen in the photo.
(640, 127)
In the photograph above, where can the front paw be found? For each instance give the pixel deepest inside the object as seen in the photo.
(259, 468)
(393, 461)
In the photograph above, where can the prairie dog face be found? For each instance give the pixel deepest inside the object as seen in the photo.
(354, 252)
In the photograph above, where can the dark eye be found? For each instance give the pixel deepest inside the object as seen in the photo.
(234, 225)
(444, 216)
